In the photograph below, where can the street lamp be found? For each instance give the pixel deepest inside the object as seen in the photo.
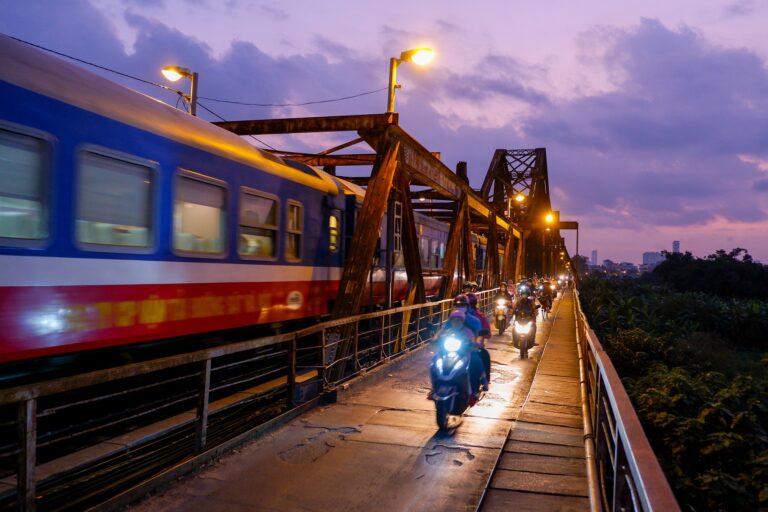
(175, 73)
(419, 56)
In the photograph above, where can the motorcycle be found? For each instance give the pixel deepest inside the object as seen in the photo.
(500, 313)
(546, 305)
(523, 334)
(451, 386)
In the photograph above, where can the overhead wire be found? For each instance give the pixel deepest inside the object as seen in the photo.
(222, 119)
(232, 102)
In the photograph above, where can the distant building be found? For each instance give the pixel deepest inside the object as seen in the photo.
(676, 247)
(652, 258)
(593, 261)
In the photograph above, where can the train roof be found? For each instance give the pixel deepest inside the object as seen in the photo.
(37, 71)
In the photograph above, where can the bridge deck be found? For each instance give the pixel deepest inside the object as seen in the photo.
(378, 448)
(542, 465)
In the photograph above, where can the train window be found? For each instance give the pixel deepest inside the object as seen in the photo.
(258, 224)
(424, 251)
(23, 201)
(334, 224)
(294, 229)
(199, 215)
(114, 202)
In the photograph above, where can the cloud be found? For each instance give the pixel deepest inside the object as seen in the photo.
(760, 185)
(275, 13)
(739, 8)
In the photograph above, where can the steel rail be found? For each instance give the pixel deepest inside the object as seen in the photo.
(629, 475)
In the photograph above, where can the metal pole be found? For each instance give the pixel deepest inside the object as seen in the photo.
(292, 371)
(204, 389)
(25, 479)
(393, 62)
(193, 95)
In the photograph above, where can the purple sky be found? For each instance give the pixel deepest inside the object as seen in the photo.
(654, 114)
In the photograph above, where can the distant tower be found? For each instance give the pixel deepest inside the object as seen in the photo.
(676, 247)
(594, 258)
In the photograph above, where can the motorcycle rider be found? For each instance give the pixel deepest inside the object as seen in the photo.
(546, 294)
(484, 333)
(503, 293)
(457, 327)
(525, 308)
(461, 302)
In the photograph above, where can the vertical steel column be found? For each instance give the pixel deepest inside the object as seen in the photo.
(453, 249)
(201, 425)
(389, 264)
(291, 399)
(27, 425)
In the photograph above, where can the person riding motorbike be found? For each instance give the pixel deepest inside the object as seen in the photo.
(546, 295)
(457, 327)
(503, 293)
(525, 308)
(461, 302)
(484, 333)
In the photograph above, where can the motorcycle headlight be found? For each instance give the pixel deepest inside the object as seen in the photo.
(501, 302)
(521, 328)
(551, 287)
(452, 344)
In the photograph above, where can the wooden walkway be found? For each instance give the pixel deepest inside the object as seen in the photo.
(542, 465)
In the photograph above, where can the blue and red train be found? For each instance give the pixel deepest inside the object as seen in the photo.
(124, 220)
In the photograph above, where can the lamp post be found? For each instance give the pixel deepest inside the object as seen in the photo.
(419, 56)
(175, 73)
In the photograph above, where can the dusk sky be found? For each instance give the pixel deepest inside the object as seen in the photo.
(654, 113)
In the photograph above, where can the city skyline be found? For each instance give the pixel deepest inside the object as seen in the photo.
(653, 114)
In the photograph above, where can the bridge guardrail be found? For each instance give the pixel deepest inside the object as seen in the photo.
(628, 475)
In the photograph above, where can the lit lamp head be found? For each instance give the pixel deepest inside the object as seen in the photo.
(519, 198)
(418, 56)
(175, 73)
(549, 218)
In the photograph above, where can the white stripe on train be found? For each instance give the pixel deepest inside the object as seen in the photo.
(55, 271)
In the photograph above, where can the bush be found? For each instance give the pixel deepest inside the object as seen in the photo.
(709, 434)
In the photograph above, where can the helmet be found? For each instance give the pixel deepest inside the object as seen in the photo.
(457, 313)
(461, 300)
(472, 298)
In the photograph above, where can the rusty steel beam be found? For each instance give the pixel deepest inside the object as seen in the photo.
(324, 160)
(410, 240)
(358, 264)
(310, 124)
(452, 248)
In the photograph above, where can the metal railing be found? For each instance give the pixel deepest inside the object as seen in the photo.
(628, 475)
(339, 349)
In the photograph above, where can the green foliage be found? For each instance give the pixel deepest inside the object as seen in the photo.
(694, 360)
(726, 274)
(710, 434)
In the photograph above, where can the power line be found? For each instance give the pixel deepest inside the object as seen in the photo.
(98, 66)
(201, 97)
(221, 118)
(294, 104)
